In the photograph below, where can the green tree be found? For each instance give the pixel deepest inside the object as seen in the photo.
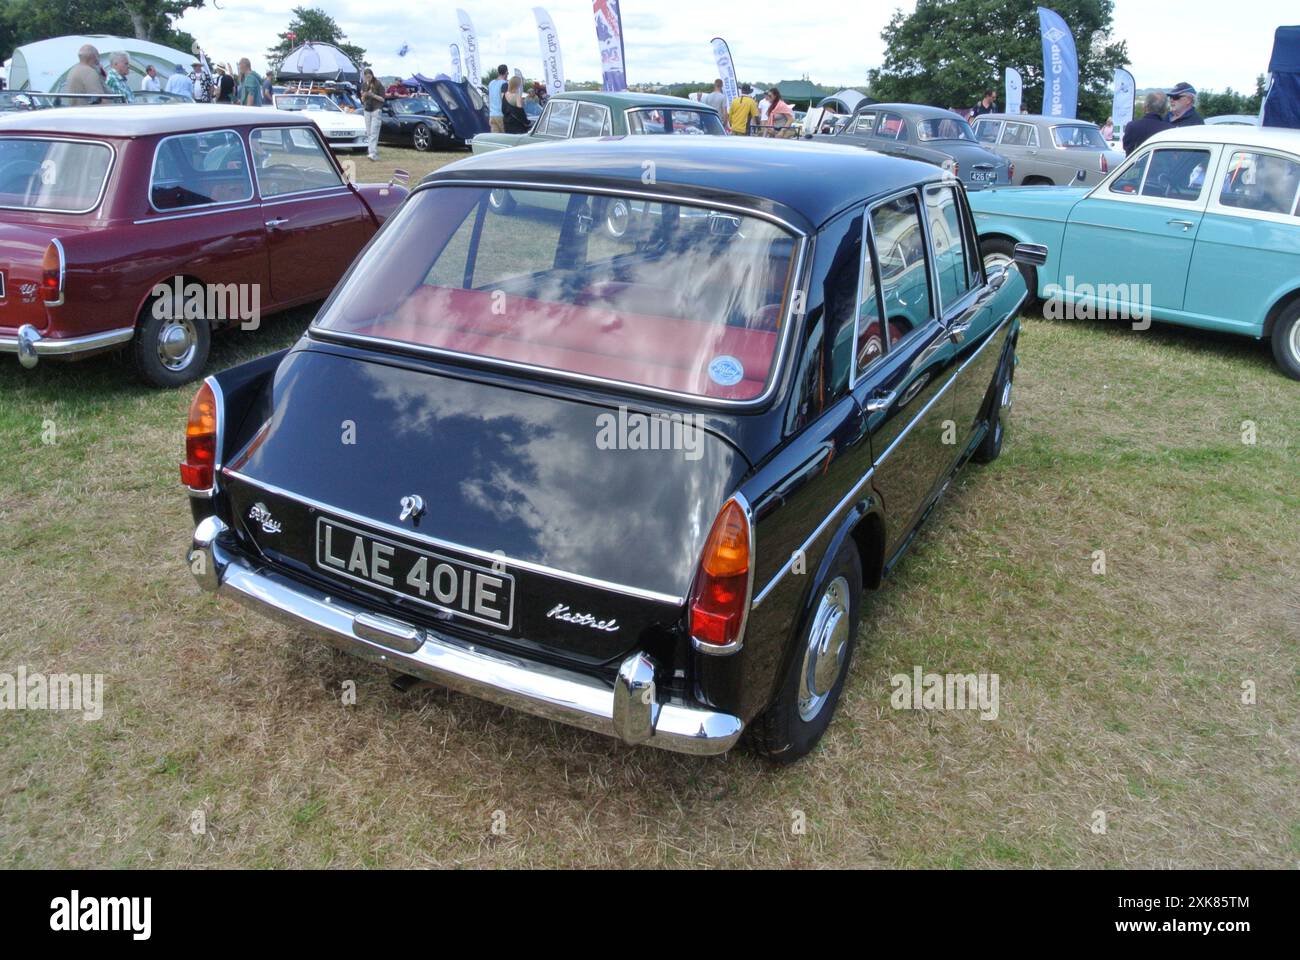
(948, 52)
(25, 21)
(314, 24)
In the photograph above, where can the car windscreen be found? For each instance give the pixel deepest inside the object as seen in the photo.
(1078, 138)
(59, 175)
(310, 103)
(944, 128)
(655, 295)
(675, 121)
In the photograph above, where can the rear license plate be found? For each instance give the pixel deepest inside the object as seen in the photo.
(468, 590)
(983, 176)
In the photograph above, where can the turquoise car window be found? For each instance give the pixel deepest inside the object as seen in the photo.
(1176, 174)
(948, 240)
(1262, 182)
(1130, 181)
(904, 275)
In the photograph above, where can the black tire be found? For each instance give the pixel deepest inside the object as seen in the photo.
(500, 201)
(990, 447)
(795, 721)
(995, 250)
(170, 364)
(422, 137)
(1286, 341)
(1037, 182)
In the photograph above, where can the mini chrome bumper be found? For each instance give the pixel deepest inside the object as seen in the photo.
(629, 710)
(31, 346)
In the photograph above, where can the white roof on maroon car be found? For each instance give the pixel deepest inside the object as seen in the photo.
(143, 120)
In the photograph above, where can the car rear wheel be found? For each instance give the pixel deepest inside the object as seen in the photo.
(169, 352)
(997, 252)
(1286, 341)
(422, 137)
(990, 447)
(819, 665)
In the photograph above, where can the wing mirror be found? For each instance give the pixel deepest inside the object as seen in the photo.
(1030, 254)
(400, 176)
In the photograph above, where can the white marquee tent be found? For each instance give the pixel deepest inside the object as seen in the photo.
(44, 65)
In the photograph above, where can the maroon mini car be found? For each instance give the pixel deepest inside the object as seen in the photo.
(147, 227)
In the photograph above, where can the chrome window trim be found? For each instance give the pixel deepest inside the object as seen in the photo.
(605, 120)
(220, 401)
(436, 542)
(799, 257)
(301, 196)
(714, 650)
(103, 186)
(325, 150)
(153, 168)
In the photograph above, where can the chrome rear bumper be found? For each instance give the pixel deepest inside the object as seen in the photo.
(31, 346)
(629, 710)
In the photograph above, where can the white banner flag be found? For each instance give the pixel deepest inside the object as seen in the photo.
(726, 68)
(455, 62)
(469, 49)
(1015, 90)
(1121, 111)
(548, 41)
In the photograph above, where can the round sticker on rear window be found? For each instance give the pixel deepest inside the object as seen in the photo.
(726, 371)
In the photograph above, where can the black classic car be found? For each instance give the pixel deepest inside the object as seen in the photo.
(637, 483)
(416, 122)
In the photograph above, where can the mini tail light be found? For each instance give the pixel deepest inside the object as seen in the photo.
(52, 274)
(1105, 164)
(720, 596)
(200, 441)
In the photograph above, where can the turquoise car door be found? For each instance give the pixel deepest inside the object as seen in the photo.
(1128, 245)
(1251, 229)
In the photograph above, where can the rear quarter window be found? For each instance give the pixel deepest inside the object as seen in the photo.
(66, 176)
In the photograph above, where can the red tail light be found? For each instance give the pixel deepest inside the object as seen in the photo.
(1105, 164)
(52, 274)
(720, 597)
(200, 441)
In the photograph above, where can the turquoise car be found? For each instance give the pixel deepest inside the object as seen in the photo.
(1199, 227)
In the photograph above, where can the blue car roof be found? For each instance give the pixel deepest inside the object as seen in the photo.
(802, 182)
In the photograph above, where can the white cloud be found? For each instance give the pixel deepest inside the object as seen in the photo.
(835, 44)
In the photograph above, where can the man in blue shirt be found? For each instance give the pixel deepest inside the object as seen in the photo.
(496, 119)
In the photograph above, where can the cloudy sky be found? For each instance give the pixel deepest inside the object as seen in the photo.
(668, 40)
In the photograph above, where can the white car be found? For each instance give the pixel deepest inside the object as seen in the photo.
(341, 130)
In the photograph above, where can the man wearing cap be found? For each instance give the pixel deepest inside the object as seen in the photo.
(743, 111)
(1140, 131)
(1182, 107)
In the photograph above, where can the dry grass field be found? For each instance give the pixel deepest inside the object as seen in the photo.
(1120, 693)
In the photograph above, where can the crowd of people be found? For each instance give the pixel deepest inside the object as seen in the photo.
(508, 104)
(91, 80)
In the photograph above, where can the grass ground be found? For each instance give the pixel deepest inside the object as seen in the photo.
(1120, 693)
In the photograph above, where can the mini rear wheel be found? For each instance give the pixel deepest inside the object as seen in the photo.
(990, 447)
(794, 723)
(169, 351)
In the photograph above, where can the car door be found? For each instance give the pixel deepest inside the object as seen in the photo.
(1128, 245)
(903, 363)
(315, 222)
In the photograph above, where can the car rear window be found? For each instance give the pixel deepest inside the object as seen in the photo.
(664, 296)
(64, 176)
(1078, 138)
(944, 128)
(675, 121)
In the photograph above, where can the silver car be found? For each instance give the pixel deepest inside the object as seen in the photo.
(1048, 151)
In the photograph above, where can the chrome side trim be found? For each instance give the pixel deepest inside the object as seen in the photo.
(301, 196)
(629, 711)
(712, 649)
(436, 542)
(28, 339)
(196, 213)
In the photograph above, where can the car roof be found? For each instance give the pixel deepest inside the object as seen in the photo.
(917, 111)
(1035, 118)
(1276, 138)
(802, 182)
(142, 120)
(626, 99)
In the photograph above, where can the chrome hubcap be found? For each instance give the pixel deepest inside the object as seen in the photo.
(828, 642)
(995, 260)
(1295, 341)
(422, 138)
(177, 342)
(1006, 395)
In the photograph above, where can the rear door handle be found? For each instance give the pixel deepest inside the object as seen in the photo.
(1185, 224)
(276, 223)
(958, 331)
(879, 401)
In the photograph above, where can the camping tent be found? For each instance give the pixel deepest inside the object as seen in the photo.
(1282, 106)
(319, 62)
(846, 101)
(44, 65)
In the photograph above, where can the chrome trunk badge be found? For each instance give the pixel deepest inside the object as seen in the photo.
(262, 516)
(412, 507)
